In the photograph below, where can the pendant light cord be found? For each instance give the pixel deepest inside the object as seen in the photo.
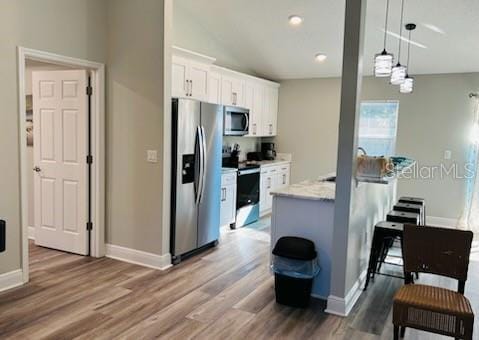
(408, 50)
(400, 30)
(386, 24)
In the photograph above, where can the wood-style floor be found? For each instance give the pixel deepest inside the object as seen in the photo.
(224, 293)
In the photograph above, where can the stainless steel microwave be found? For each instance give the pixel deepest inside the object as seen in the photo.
(236, 121)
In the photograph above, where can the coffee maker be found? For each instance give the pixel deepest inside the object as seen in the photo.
(268, 151)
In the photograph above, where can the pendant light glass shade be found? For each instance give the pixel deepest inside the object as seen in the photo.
(407, 86)
(398, 74)
(383, 64)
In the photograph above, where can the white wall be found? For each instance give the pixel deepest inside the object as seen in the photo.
(436, 117)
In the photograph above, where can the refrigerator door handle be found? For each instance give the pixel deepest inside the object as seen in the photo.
(199, 184)
(203, 161)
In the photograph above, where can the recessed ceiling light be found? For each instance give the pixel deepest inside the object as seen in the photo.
(320, 57)
(295, 20)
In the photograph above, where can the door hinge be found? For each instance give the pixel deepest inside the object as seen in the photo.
(89, 90)
(89, 159)
(89, 226)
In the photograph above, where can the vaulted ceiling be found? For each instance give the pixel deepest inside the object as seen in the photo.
(257, 34)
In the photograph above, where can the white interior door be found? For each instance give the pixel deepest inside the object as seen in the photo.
(60, 119)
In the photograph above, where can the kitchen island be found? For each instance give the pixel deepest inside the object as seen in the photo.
(306, 210)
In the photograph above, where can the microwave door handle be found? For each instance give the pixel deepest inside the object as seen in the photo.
(247, 122)
(203, 162)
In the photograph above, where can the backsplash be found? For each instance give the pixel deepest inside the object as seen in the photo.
(247, 144)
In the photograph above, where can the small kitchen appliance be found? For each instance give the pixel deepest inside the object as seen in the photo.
(268, 151)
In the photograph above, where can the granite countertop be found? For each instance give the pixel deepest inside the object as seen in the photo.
(317, 190)
(272, 163)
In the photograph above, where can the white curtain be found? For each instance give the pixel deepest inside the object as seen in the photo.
(470, 216)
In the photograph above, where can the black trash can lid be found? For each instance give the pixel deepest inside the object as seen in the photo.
(296, 248)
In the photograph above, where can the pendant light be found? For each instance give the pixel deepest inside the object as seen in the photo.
(398, 73)
(383, 62)
(408, 84)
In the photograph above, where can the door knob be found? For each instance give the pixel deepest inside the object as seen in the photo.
(37, 169)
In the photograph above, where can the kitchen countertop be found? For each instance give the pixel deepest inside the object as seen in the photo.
(271, 163)
(317, 190)
(228, 170)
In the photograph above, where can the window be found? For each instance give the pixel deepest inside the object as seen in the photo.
(378, 127)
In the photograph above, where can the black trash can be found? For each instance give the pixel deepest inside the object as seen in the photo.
(295, 264)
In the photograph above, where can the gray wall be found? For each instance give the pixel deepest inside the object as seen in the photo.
(128, 38)
(435, 118)
(70, 27)
(134, 124)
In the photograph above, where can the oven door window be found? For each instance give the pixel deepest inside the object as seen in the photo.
(248, 190)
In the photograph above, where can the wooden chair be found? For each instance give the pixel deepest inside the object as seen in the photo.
(443, 252)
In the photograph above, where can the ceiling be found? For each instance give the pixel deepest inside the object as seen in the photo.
(257, 33)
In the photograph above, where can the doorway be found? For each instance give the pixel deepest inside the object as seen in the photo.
(61, 119)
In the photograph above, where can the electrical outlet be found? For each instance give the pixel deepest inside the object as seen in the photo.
(152, 156)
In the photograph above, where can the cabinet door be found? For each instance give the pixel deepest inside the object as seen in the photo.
(198, 76)
(253, 100)
(227, 91)
(263, 191)
(228, 204)
(270, 116)
(179, 77)
(214, 87)
(231, 91)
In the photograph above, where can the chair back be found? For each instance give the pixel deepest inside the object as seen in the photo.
(436, 250)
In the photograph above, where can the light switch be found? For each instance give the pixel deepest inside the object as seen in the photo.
(447, 154)
(152, 156)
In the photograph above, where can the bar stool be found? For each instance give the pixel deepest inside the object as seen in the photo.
(384, 235)
(415, 200)
(414, 208)
(403, 217)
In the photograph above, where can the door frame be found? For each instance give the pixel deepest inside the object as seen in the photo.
(97, 126)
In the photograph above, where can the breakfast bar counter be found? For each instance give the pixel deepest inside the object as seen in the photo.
(306, 209)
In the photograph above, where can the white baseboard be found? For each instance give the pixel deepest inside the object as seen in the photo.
(11, 279)
(31, 233)
(141, 258)
(441, 221)
(342, 306)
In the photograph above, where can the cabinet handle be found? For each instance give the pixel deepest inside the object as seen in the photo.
(187, 87)
(191, 88)
(254, 129)
(270, 129)
(223, 194)
(284, 179)
(269, 182)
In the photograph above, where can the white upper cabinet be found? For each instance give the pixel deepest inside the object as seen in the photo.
(214, 86)
(194, 76)
(232, 89)
(179, 77)
(270, 114)
(254, 101)
(189, 79)
(198, 76)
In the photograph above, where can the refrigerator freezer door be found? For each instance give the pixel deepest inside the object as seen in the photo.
(185, 232)
(209, 208)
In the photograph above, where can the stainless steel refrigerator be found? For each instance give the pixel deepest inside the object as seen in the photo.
(196, 176)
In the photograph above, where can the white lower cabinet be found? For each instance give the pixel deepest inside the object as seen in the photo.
(228, 199)
(273, 177)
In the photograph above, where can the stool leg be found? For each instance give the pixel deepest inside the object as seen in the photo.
(396, 332)
(372, 259)
(402, 332)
